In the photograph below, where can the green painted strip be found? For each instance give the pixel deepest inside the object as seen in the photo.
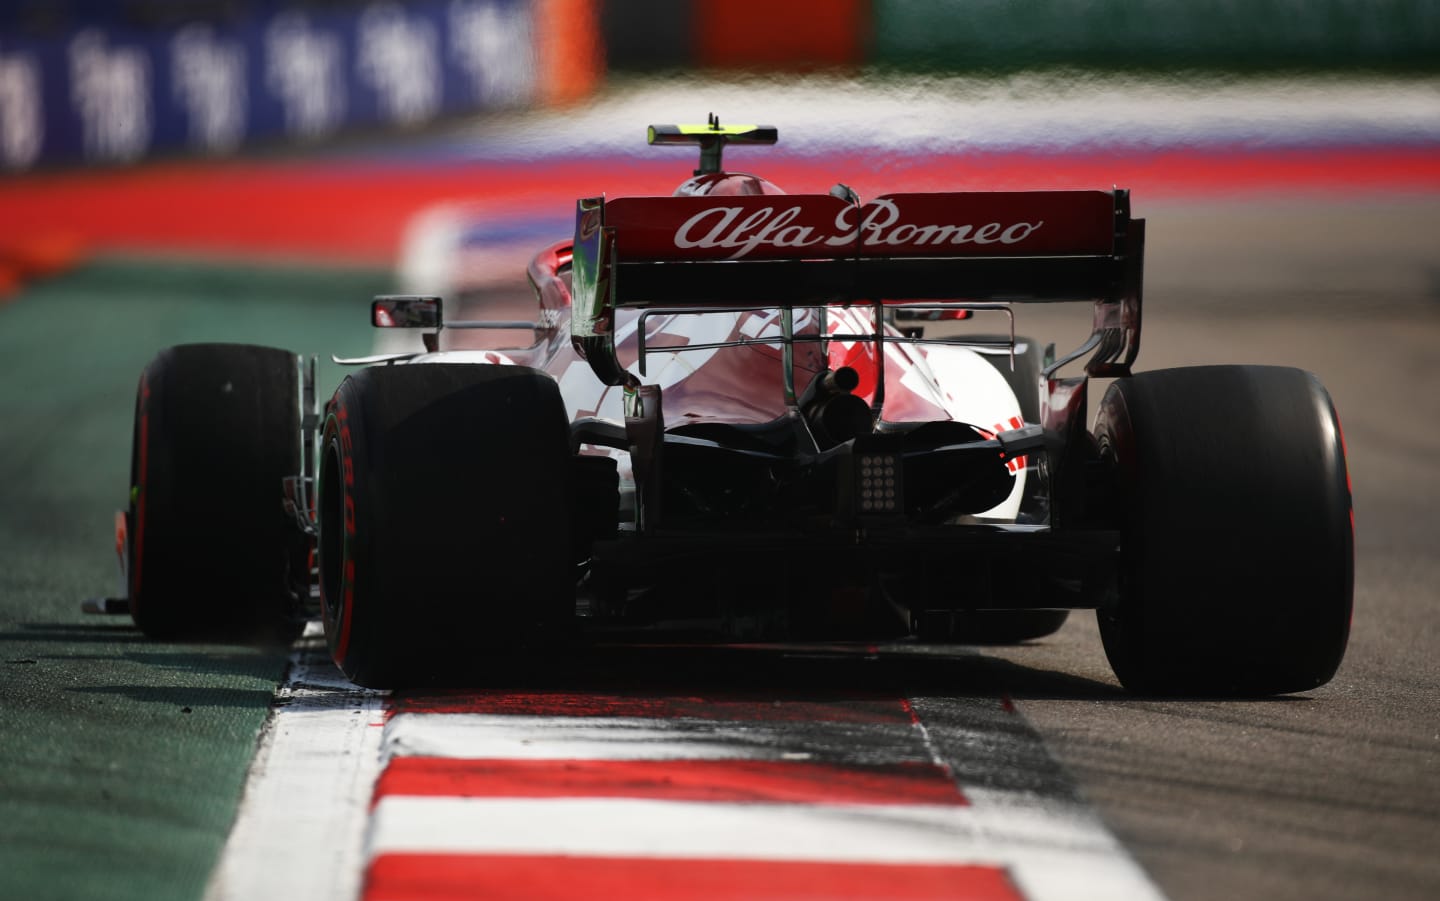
(1224, 35)
(122, 760)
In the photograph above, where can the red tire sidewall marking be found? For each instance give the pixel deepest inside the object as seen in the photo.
(339, 423)
(142, 468)
(1345, 464)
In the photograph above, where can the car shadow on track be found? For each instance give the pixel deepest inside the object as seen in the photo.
(822, 673)
(108, 633)
(833, 673)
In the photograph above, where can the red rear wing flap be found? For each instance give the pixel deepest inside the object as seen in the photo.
(808, 250)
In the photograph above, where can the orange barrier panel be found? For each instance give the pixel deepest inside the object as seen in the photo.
(569, 50)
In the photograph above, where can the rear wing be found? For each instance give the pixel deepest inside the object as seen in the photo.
(693, 254)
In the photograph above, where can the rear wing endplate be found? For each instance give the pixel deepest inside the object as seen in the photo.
(788, 251)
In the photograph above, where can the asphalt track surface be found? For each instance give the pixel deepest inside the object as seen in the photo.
(1331, 794)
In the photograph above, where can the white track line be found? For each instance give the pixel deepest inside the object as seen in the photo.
(300, 831)
(627, 827)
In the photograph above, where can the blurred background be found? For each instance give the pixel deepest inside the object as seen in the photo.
(314, 131)
(175, 171)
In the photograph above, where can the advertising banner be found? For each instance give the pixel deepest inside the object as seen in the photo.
(113, 94)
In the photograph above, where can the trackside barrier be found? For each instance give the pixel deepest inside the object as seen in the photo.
(1224, 35)
(111, 92)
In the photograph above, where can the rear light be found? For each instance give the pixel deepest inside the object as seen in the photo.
(878, 486)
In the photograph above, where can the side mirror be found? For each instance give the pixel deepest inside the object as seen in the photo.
(405, 311)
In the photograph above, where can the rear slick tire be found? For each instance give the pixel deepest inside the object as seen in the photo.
(211, 553)
(444, 521)
(1237, 542)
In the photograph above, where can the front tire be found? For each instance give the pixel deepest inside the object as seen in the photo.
(444, 519)
(1237, 543)
(210, 551)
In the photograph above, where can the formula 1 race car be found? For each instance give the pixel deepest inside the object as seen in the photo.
(731, 421)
